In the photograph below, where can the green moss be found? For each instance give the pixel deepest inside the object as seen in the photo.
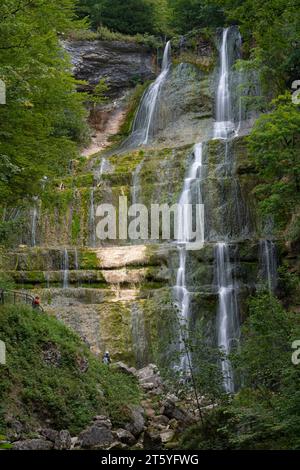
(36, 386)
(89, 260)
(75, 228)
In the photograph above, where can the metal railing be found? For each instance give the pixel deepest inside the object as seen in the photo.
(16, 297)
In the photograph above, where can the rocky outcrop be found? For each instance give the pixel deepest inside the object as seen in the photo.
(153, 425)
(122, 64)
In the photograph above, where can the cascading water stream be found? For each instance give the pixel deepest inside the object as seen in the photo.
(182, 294)
(268, 260)
(65, 267)
(33, 225)
(92, 221)
(227, 316)
(143, 123)
(135, 183)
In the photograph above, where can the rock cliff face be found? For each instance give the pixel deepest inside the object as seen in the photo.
(118, 294)
(123, 64)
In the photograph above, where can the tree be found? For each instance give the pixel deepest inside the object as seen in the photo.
(130, 17)
(190, 14)
(43, 121)
(270, 30)
(274, 148)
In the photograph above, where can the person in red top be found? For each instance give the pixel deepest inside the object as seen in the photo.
(36, 303)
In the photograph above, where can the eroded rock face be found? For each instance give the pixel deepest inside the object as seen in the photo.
(123, 64)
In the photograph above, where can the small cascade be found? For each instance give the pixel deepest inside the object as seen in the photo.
(47, 279)
(225, 117)
(76, 263)
(182, 294)
(65, 268)
(228, 316)
(143, 124)
(34, 216)
(139, 336)
(135, 183)
(101, 169)
(268, 261)
(92, 222)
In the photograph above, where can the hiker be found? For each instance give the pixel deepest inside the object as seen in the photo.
(36, 303)
(106, 358)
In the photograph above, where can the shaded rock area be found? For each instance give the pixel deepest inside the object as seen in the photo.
(123, 64)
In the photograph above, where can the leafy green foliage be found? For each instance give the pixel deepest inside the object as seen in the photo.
(264, 414)
(43, 121)
(190, 14)
(34, 388)
(130, 17)
(274, 148)
(270, 29)
(99, 93)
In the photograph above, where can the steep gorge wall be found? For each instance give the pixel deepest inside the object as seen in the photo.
(121, 297)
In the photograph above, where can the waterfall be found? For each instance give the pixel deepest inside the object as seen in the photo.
(145, 117)
(224, 125)
(182, 295)
(228, 316)
(92, 223)
(135, 183)
(65, 268)
(139, 336)
(76, 263)
(268, 261)
(33, 225)
(102, 167)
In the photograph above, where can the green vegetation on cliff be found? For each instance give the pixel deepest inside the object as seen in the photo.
(51, 375)
(264, 414)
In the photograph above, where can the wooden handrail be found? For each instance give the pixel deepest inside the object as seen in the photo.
(27, 298)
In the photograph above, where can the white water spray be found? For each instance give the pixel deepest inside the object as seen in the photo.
(182, 294)
(145, 117)
(65, 269)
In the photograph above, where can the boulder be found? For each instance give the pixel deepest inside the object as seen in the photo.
(33, 444)
(121, 367)
(136, 419)
(95, 437)
(63, 441)
(172, 411)
(152, 440)
(149, 377)
(15, 430)
(102, 421)
(125, 437)
(49, 434)
(161, 420)
(167, 435)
